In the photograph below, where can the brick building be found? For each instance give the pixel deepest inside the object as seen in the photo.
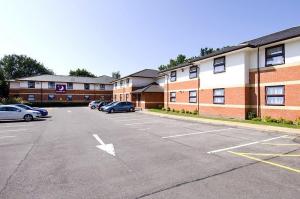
(142, 88)
(59, 88)
(260, 75)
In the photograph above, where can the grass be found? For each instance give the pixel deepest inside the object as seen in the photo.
(227, 119)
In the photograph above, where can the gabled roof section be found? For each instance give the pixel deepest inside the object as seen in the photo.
(261, 41)
(151, 88)
(146, 73)
(64, 78)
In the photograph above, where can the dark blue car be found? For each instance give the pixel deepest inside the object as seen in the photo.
(119, 107)
(43, 112)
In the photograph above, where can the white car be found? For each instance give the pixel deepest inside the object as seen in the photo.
(93, 104)
(11, 112)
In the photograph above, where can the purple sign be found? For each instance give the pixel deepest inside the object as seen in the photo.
(60, 88)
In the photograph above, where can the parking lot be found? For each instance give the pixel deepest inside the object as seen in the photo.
(83, 153)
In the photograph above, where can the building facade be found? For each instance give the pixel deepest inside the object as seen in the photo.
(58, 88)
(141, 88)
(260, 76)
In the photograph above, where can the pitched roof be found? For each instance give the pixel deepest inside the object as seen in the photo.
(64, 78)
(151, 88)
(146, 73)
(265, 40)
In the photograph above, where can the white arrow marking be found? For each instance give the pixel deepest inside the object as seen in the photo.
(108, 148)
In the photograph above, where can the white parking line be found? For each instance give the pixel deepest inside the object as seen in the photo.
(3, 137)
(247, 144)
(201, 132)
(139, 123)
(130, 119)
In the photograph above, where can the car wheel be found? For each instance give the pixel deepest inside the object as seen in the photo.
(93, 107)
(28, 118)
(131, 109)
(112, 110)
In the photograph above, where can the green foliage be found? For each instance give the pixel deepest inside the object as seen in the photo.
(297, 121)
(177, 111)
(168, 109)
(81, 72)
(163, 109)
(116, 75)
(195, 112)
(180, 59)
(206, 51)
(160, 106)
(182, 111)
(17, 66)
(251, 115)
(3, 84)
(258, 119)
(17, 100)
(173, 110)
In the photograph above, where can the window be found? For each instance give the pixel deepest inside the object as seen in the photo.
(173, 76)
(116, 84)
(30, 98)
(87, 97)
(219, 96)
(193, 96)
(102, 86)
(173, 97)
(70, 86)
(86, 86)
(69, 98)
(275, 55)
(51, 97)
(219, 65)
(12, 109)
(115, 97)
(51, 85)
(193, 72)
(127, 81)
(120, 97)
(31, 84)
(275, 95)
(121, 83)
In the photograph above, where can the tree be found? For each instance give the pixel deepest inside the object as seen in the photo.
(81, 72)
(206, 51)
(180, 59)
(3, 84)
(116, 75)
(17, 66)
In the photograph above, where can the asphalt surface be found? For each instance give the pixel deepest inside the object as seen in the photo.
(155, 157)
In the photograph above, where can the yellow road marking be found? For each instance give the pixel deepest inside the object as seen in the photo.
(271, 154)
(267, 162)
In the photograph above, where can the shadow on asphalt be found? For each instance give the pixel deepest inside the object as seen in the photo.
(22, 121)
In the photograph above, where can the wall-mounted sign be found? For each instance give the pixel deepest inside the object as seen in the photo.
(60, 88)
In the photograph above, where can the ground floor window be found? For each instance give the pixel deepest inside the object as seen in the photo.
(173, 97)
(219, 96)
(193, 96)
(31, 98)
(87, 97)
(120, 97)
(51, 97)
(275, 95)
(69, 98)
(115, 97)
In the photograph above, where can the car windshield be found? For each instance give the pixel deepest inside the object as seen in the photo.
(112, 103)
(24, 107)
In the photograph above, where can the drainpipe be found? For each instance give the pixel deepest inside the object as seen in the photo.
(258, 86)
(41, 93)
(198, 86)
(167, 90)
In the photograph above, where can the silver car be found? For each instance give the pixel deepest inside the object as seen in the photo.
(11, 112)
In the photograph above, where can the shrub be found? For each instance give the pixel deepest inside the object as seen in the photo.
(168, 109)
(187, 112)
(182, 111)
(269, 119)
(177, 111)
(163, 109)
(160, 106)
(195, 112)
(173, 110)
(251, 115)
(17, 100)
(289, 122)
(297, 121)
(256, 119)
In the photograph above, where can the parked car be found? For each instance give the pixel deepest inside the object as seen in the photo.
(103, 107)
(93, 104)
(11, 112)
(43, 112)
(103, 103)
(119, 107)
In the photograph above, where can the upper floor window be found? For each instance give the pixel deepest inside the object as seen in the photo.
(173, 97)
(173, 76)
(86, 86)
(116, 84)
(121, 83)
(275, 55)
(51, 85)
(31, 84)
(219, 65)
(275, 95)
(193, 72)
(102, 86)
(219, 96)
(70, 86)
(127, 81)
(192, 96)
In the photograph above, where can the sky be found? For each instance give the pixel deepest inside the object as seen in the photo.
(130, 35)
